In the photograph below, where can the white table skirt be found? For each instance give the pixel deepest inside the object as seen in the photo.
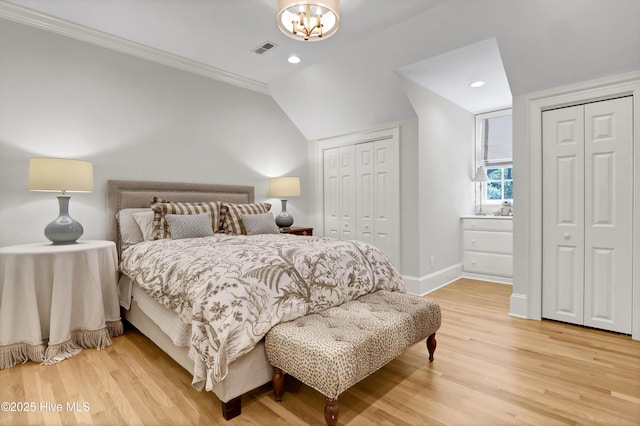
(56, 300)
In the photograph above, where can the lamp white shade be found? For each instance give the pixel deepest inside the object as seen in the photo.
(60, 174)
(284, 187)
(481, 175)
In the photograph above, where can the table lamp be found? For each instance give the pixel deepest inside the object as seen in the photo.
(283, 188)
(481, 176)
(64, 175)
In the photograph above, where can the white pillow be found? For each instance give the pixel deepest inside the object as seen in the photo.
(189, 225)
(260, 223)
(130, 232)
(145, 223)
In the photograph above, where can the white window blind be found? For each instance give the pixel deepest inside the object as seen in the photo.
(496, 134)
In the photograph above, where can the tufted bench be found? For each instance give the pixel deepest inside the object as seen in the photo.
(332, 350)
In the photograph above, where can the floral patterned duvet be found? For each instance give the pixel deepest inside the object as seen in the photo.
(232, 289)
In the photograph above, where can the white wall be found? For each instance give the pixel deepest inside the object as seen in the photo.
(134, 120)
(445, 190)
(409, 199)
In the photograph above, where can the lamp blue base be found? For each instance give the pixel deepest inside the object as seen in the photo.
(65, 229)
(284, 219)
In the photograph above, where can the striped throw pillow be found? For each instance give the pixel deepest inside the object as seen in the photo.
(162, 208)
(233, 218)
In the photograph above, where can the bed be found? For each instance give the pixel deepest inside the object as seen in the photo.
(182, 334)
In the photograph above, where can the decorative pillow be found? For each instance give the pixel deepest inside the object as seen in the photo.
(145, 223)
(233, 218)
(261, 223)
(130, 232)
(161, 208)
(189, 225)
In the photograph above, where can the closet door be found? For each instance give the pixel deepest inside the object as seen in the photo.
(332, 192)
(587, 214)
(348, 192)
(608, 214)
(361, 190)
(339, 192)
(366, 192)
(386, 199)
(377, 198)
(563, 214)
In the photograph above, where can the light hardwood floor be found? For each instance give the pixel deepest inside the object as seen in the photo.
(489, 369)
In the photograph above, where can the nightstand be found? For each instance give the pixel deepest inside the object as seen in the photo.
(297, 230)
(57, 299)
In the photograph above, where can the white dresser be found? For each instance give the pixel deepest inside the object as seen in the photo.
(487, 248)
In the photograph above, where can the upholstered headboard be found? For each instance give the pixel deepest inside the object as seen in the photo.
(122, 194)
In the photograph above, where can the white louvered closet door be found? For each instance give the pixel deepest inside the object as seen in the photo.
(587, 214)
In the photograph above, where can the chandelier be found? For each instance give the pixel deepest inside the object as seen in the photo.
(309, 20)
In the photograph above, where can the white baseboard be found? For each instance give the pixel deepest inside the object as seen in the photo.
(518, 305)
(428, 283)
(491, 278)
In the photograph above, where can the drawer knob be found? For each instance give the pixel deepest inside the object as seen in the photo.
(473, 262)
(473, 242)
(566, 235)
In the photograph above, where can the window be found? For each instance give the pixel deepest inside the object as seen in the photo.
(494, 152)
(500, 184)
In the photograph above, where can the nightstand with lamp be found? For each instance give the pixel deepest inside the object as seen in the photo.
(283, 188)
(61, 175)
(58, 297)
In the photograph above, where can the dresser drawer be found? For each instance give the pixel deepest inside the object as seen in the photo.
(488, 224)
(488, 263)
(488, 241)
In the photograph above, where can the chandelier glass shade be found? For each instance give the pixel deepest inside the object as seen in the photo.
(309, 20)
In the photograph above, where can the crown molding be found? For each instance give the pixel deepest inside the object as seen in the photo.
(39, 20)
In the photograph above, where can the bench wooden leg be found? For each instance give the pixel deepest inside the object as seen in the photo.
(431, 346)
(278, 383)
(331, 412)
(232, 408)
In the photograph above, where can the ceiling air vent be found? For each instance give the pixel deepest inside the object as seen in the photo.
(264, 47)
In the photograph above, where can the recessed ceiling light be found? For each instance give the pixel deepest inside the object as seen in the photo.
(478, 83)
(293, 59)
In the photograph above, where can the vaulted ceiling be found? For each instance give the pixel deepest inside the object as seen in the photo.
(517, 46)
